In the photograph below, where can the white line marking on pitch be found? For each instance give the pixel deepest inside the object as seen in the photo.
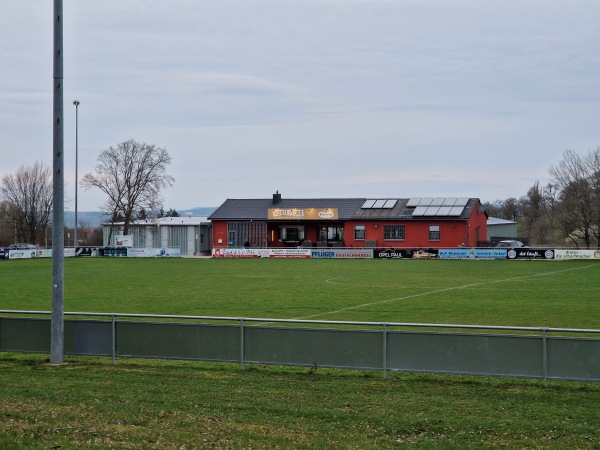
(437, 291)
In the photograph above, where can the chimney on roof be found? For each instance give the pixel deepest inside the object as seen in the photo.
(276, 197)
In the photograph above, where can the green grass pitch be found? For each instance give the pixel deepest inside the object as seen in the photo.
(511, 293)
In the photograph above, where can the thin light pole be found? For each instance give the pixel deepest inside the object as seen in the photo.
(76, 103)
(57, 341)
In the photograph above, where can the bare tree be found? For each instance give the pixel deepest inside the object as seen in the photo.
(509, 209)
(28, 201)
(551, 205)
(512, 209)
(7, 226)
(534, 214)
(132, 175)
(578, 180)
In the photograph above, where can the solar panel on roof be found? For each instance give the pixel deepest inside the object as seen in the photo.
(431, 211)
(419, 211)
(461, 201)
(414, 201)
(368, 204)
(389, 204)
(444, 211)
(438, 201)
(456, 210)
(425, 201)
(379, 204)
(449, 201)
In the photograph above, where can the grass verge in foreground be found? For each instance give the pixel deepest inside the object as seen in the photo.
(89, 403)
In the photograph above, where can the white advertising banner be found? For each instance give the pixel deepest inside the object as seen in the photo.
(241, 252)
(576, 254)
(261, 253)
(47, 252)
(290, 253)
(22, 254)
(149, 252)
(124, 241)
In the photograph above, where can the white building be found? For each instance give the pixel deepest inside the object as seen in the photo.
(191, 234)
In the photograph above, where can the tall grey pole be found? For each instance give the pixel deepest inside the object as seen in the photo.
(76, 103)
(57, 347)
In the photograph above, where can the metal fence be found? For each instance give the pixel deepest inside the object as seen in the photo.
(527, 352)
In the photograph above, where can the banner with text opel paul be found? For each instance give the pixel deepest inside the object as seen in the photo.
(392, 253)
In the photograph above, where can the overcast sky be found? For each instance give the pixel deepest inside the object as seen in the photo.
(313, 98)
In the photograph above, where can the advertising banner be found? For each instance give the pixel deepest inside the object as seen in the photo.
(151, 252)
(113, 251)
(472, 253)
(124, 241)
(39, 253)
(391, 253)
(290, 253)
(457, 253)
(424, 254)
(336, 253)
(88, 251)
(22, 254)
(490, 253)
(303, 213)
(240, 253)
(530, 253)
(576, 254)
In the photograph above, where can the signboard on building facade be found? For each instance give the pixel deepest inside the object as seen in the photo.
(124, 241)
(303, 214)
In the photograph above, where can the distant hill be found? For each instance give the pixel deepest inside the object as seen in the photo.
(198, 212)
(89, 219)
(93, 219)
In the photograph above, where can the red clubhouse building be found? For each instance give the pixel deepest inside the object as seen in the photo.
(418, 222)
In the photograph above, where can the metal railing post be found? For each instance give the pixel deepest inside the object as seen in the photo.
(545, 356)
(384, 350)
(114, 339)
(242, 344)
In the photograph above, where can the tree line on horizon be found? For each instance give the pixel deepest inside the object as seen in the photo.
(564, 212)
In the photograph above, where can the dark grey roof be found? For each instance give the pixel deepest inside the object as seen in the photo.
(394, 213)
(401, 211)
(348, 209)
(258, 209)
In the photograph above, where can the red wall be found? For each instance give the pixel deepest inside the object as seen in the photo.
(452, 233)
(219, 231)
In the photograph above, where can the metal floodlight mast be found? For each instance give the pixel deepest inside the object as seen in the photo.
(76, 103)
(57, 341)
